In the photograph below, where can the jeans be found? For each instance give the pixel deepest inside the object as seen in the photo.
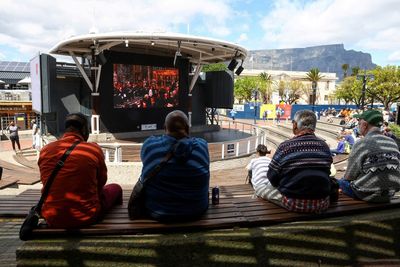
(345, 186)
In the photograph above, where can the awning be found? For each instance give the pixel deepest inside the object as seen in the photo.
(26, 80)
(2, 82)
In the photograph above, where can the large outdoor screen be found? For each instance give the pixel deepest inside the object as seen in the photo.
(139, 86)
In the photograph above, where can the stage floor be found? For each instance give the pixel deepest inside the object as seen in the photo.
(211, 137)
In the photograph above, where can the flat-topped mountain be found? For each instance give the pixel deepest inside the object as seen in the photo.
(328, 58)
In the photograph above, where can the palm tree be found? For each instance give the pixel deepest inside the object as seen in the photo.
(266, 86)
(345, 67)
(355, 70)
(314, 76)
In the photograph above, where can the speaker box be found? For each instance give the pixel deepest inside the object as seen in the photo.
(219, 89)
(101, 59)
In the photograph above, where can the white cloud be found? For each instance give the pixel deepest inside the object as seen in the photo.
(394, 57)
(363, 25)
(243, 37)
(39, 25)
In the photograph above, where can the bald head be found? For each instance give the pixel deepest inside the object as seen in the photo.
(177, 124)
(77, 122)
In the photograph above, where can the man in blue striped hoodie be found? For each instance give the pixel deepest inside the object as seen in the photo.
(300, 168)
(180, 190)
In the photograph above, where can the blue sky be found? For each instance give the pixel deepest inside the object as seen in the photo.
(372, 26)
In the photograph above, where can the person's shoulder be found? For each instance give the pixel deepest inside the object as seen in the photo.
(199, 141)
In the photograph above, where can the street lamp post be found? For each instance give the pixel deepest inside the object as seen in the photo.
(314, 94)
(364, 78)
(255, 92)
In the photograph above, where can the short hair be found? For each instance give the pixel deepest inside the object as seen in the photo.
(305, 119)
(76, 120)
(263, 150)
(177, 123)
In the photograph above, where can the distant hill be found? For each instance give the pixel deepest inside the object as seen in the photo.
(328, 58)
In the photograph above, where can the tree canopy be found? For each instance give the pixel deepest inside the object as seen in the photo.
(385, 86)
(244, 86)
(214, 67)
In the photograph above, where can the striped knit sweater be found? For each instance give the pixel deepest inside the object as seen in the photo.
(300, 168)
(373, 167)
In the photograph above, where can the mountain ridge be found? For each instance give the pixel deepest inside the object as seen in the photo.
(327, 58)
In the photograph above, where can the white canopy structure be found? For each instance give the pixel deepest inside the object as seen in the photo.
(26, 80)
(198, 50)
(1, 82)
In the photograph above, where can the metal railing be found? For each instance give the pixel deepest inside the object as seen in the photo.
(130, 152)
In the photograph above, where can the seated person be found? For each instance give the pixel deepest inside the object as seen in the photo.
(340, 146)
(299, 170)
(373, 170)
(180, 189)
(259, 167)
(78, 195)
(348, 137)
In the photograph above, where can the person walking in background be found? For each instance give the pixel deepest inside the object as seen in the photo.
(35, 130)
(14, 137)
(233, 114)
(278, 113)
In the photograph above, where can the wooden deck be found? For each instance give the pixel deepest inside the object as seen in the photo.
(237, 208)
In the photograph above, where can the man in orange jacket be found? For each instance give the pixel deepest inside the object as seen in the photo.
(78, 195)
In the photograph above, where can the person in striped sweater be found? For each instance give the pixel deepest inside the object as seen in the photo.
(299, 170)
(179, 191)
(373, 169)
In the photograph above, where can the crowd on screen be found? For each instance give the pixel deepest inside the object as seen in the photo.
(145, 94)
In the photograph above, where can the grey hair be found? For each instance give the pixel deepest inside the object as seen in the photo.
(305, 119)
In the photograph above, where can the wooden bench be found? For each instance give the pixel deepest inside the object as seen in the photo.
(237, 209)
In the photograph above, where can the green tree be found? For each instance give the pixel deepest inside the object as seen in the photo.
(350, 90)
(345, 67)
(314, 76)
(265, 87)
(244, 86)
(355, 70)
(295, 89)
(385, 87)
(214, 67)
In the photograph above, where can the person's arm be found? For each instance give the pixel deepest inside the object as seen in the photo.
(102, 169)
(275, 168)
(354, 163)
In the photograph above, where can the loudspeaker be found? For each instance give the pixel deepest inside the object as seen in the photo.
(219, 89)
(232, 65)
(101, 59)
(48, 80)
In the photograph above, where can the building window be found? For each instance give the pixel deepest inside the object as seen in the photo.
(327, 85)
(326, 98)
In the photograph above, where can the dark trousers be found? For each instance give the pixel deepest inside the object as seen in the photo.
(15, 139)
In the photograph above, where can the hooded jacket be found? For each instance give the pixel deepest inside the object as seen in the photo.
(180, 190)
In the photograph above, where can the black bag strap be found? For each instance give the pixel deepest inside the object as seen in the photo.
(58, 167)
(160, 165)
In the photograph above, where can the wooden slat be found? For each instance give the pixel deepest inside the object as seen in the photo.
(237, 208)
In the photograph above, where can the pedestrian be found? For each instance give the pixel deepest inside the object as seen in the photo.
(14, 137)
(233, 113)
(35, 130)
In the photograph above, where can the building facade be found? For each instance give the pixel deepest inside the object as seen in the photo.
(282, 80)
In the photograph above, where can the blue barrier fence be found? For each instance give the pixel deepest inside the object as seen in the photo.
(247, 110)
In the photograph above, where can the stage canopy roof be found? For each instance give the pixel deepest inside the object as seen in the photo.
(197, 49)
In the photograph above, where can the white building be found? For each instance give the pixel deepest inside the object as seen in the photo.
(325, 87)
